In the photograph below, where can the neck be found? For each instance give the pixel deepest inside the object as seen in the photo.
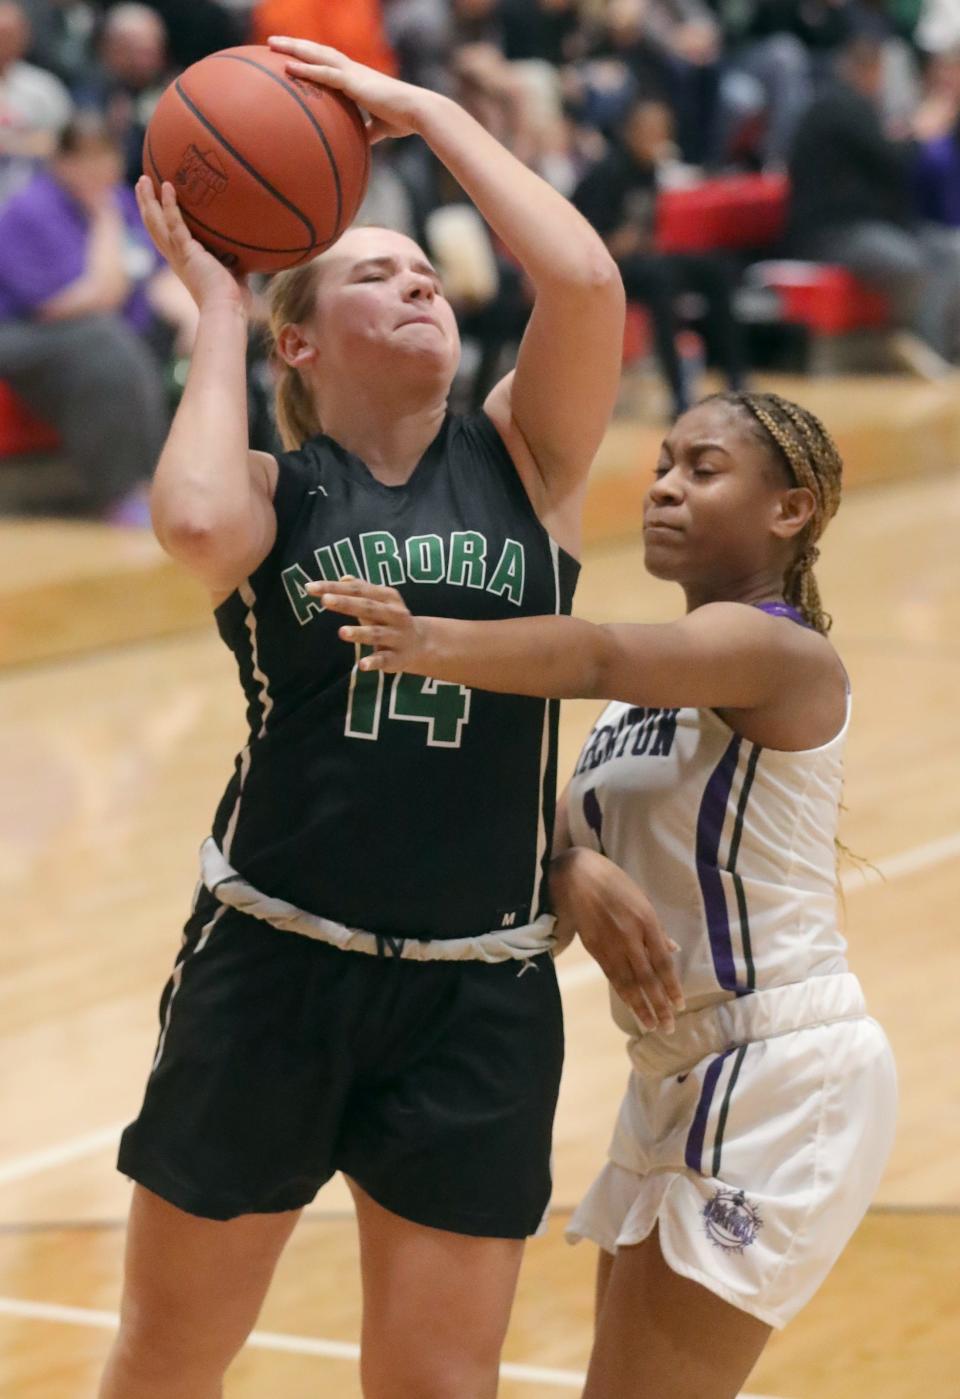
(761, 587)
(389, 435)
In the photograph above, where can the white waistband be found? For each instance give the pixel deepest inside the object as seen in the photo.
(759, 1016)
(226, 885)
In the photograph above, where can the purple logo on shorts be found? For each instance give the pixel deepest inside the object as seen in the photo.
(731, 1222)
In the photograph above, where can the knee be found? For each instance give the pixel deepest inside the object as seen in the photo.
(157, 1344)
(436, 1377)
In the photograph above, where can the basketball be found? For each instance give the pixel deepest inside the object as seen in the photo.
(268, 169)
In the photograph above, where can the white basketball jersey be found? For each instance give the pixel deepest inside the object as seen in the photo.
(733, 844)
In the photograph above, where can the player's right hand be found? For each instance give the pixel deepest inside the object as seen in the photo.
(392, 105)
(206, 279)
(398, 640)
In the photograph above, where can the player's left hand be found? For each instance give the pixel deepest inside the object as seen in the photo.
(399, 640)
(620, 929)
(393, 105)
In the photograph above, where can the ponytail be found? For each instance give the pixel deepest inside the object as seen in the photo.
(292, 296)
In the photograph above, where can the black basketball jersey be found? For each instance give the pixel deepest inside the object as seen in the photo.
(401, 805)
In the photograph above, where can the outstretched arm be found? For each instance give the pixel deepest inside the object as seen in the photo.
(723, 655)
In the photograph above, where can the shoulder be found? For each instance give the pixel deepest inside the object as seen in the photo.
(479, 433)
(791, 653)
(508, 443)
(265, 469)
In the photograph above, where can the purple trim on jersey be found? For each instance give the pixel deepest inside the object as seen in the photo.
(693, 1151)
(783, 609)
(593, 815)
(713, 810)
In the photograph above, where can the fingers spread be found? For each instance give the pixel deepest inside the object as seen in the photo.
(380, 660)
(367, 636)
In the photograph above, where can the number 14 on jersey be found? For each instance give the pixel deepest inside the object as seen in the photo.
(443, 707)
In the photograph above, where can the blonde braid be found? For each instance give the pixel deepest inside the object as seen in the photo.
(812, 460)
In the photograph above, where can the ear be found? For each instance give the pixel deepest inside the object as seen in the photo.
(793, 511)
(294, 348)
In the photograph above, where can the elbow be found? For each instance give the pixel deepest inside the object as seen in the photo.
(183, 537)
(190, 536)
(598, 274)
(603, 271)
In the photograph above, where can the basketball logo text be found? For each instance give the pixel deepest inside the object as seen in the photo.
(201, 177)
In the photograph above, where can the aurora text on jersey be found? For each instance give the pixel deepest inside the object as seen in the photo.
(463, 560)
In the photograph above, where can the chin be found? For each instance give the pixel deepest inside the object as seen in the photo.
(659, 564)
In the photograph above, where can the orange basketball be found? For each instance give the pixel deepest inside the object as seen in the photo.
(269, 170)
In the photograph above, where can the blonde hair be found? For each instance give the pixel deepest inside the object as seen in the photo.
(812, 460)
(291, 296)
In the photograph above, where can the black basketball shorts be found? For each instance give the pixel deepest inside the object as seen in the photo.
(282, 1059)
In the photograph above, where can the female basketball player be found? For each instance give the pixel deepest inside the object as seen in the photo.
(752, 1137)
(365, 982)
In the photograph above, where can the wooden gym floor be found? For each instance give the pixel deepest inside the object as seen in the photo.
(120, 717)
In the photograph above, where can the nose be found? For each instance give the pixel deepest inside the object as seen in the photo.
(419, 287)
(666, 489)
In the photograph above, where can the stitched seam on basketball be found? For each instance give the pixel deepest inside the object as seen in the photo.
(225, 237)
(236, 58)
(281, 198)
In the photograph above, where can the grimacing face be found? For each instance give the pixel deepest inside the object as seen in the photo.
(710, 511)
(380, 304)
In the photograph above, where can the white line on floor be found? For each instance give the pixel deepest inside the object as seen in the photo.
(922, 857)
(292, 1345)
(89, 1144)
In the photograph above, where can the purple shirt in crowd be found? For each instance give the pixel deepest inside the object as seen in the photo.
(937, 180)
(43, 248)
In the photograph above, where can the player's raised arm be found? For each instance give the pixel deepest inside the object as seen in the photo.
(211, 498)
(553, 409)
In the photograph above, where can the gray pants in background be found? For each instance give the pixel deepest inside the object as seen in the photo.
(99, 385)
(918, 270)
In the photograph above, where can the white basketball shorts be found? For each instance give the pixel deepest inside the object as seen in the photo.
(755, 1136)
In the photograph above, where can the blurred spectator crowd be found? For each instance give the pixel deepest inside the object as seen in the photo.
(848, 110)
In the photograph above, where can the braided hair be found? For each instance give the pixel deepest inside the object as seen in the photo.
(805, 448)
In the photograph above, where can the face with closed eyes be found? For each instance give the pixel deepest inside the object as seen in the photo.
(722, 513)
(380, 311)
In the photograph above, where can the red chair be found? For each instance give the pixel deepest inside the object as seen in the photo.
(731, 212)
(827, 300)
(21, 431)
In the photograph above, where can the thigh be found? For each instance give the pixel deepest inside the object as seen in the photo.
(451, 1123)
(193, 1287)
(663, 1335)
(253, 1066)
(435, 1307)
